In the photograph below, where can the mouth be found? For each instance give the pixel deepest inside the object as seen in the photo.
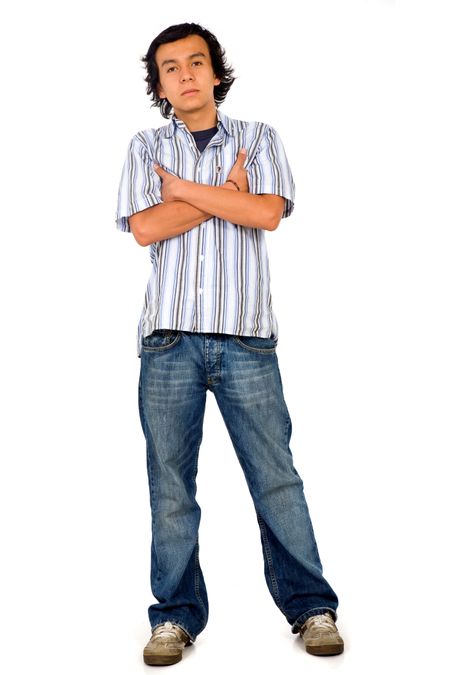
(190, 91)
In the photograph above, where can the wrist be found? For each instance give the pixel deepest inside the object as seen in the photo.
(181, 189)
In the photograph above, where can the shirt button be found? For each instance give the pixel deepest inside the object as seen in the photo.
(202, 257)
(200, 290)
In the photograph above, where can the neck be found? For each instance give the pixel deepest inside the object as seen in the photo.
(197, 120)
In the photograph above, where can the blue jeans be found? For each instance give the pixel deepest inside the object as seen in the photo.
(177, 369)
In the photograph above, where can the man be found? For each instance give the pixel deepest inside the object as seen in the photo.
(200, 192)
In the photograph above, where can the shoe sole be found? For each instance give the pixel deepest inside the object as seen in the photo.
(161, 659)
(325, 650)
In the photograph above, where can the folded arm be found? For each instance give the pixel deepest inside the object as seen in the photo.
(242, 208)
(186, 204)
(167, 220)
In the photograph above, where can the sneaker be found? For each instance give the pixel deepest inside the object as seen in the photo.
(165, 645)
(320, 635)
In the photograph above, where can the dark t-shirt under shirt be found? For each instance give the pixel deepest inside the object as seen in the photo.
(203, 137)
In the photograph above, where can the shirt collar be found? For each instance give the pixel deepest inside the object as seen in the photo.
(222, 121)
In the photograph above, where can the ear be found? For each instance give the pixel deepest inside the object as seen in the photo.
(160, 91)
(217, 81)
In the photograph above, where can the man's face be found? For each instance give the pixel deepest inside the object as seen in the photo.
(183, 65)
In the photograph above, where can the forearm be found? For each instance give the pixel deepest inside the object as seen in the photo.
(241, 208)
(169, 219)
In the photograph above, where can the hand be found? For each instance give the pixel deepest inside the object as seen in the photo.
(238, 173)
(170, 184)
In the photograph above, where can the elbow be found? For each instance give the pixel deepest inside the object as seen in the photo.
(144, 238)
(273, 221)
(275, 211)
(275, 224)
(141, 228)
(139, 237)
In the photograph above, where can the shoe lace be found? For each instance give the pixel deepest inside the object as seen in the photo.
(166, 630)
(318, 623)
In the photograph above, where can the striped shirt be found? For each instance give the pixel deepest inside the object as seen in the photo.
(215, 277)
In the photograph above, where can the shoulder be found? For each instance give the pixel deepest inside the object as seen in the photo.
(254, 133)
(249, 126)
(149, 137)
(257, 131)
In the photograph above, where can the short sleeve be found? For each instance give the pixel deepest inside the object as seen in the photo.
(139, 186)
(270, 173)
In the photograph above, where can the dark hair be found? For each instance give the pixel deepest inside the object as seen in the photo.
(218, 60)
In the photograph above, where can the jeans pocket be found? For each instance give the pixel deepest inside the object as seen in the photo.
(160, 340)
(263, 345)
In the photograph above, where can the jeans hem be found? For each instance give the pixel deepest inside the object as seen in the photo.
(180, 625)
(298, 623)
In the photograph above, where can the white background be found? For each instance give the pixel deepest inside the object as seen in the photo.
(358, 91)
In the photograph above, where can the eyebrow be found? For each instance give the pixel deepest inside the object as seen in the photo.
(191, 56)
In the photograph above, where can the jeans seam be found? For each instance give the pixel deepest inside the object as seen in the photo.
(268, 552)
(268, 350)
(161, 348)
(197, 576)
(151, 483)
(197, 562)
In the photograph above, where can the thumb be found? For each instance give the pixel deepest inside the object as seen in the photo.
(242, 154)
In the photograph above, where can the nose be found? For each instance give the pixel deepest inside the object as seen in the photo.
(186, 75)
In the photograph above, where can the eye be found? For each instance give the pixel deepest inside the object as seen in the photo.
(197, 62)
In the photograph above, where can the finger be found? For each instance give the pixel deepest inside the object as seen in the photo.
(242, 154)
